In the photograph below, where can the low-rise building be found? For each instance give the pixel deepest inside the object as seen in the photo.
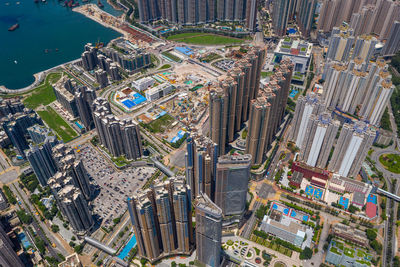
(350, 233)
(71, 261)
(298, 51)
(158, 91)
(143, 83)
(286, 223)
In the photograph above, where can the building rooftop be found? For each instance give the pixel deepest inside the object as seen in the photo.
(71, 261)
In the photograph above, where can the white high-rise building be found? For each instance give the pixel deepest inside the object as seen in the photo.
(319, 139)
(305, 107)
(351, 148)
(358, 88)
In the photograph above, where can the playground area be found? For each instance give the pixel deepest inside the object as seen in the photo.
(313, 191)
(128, 99)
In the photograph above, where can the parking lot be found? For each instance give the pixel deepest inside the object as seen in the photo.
(112, 187)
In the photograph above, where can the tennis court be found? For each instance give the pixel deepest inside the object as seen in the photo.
(138, 99)
(128, 103)
(313, 191)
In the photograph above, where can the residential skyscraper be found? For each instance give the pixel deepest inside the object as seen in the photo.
(273, 97)
(101, 78)
(260, 110)
(200, 161)
(10, 106)
(120, 137)
(319, 139)
(64, 91)
(41, 160)
(231, 183)
(364, 47)
(84, 98)
(229, 102)
(377, 18)
(71, 201)
(340, 45)
(208, 231)
(70, 164)
(89, 57)
(8, 257)
(351, 149)
(75, 208)
(280, 16)
(162, 219)
(198, 12)
(358, 88)
(16, 127)
(305, 16)
(392, 45)
(308, 105)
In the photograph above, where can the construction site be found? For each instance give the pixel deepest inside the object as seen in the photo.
(131, 33)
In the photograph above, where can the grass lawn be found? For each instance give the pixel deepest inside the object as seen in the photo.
(199, 38)
(44, 93)
(161, 124)
(165, 66)
(55, 122)
(265, 74)
(391, 162)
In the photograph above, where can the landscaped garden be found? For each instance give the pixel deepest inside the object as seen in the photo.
(55, 122)
(391, 162)
(43, 94)
(200, 38)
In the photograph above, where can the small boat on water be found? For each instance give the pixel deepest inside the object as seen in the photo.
(16, 62)
(46, 51)
(13, 27)
(36, 1)
(100, 4)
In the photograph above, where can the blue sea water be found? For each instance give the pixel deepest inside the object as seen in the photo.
(45, 25)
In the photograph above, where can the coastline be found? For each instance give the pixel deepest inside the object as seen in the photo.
(116, 7)
(40, 76)
(91, 11)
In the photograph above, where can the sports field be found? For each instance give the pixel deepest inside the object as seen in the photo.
(200, 38)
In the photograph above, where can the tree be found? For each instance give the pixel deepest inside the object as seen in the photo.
(260, 212)
(55, 228)
(371, 234)
(173, 264)
(78, 249)
(375, 245)
(306, 254)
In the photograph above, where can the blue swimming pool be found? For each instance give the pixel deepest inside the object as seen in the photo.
(128, 247)
(24, 240)
(80, 126)
(293, 93)
(292, 31)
